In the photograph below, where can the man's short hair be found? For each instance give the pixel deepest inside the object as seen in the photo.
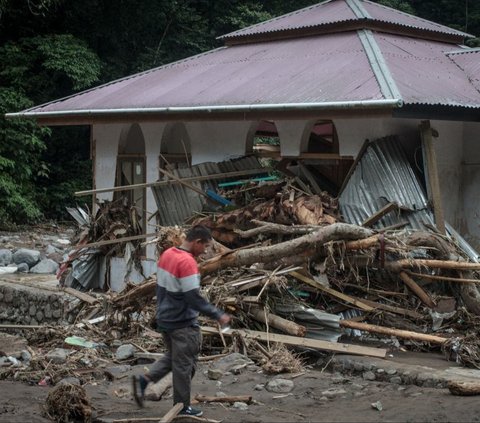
(199, 232)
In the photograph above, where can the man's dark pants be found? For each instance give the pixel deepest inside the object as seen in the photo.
(183, 346)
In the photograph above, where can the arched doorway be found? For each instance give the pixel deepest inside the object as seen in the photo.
(175, 150)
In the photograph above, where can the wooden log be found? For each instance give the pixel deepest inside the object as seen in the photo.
(405, 334)
(143, 291)
(155, 391)
(81, 295)
(399, 265)
(392, 309)
(314, 240)
(379, 214)
(419, 292)
(443, 278)
(229, 398)
(302, 342)
(347, 298)
(277, 322)
(464, 388)
(113, 241)
(167, 418)
(276, 228)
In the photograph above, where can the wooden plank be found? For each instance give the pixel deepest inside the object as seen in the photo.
(114, 241)
(225, 175)
(81, 295)
(311, 178)
(332, 292)
(432, 171)
(443, 278)
(302, 342)
(379, 214)
(393, 309)
(167, 418)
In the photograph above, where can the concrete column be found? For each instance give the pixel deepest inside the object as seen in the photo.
(105, 145)
(293, 136)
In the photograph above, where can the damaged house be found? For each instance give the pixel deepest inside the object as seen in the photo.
(375, 106)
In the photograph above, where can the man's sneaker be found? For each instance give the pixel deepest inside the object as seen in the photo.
(190, 411)
(139, 384)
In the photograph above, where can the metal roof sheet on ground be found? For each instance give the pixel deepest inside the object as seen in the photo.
(338, 11)
(304, 70)
(383, 175)
(469, 62)
(176, 203)
(424, 73)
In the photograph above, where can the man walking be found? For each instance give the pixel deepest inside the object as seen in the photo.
(178, 305)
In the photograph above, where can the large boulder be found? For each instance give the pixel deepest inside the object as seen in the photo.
(25, 255)
(46, 266)
(5, 257)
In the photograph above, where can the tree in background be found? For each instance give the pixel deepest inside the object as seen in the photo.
(53, 48)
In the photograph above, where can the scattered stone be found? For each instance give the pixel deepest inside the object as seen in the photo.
(332, 393)
(26, 356)
(377, 405)
(118, 372)
(233, 363)
(22, 268)
(416, 394)
(396, 379)
(369, 375)
(240, 406)
(214, 374)
(69, 381)
(57, 356)
(259, 387)
(220, 394)
(279, 386)
(380, 371)
(25, 255)
(357, 386)
(5, 257)
(46, 266)
(391, 372)
(125, 351)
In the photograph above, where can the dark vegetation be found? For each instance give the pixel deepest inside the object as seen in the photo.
(53, 48)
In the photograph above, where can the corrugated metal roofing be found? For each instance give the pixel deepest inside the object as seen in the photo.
(338, 11)
(425, 74)
(469, 62)
(288, 71)
(176, 203)
(383, 175)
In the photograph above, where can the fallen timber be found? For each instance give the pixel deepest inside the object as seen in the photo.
(301, 342)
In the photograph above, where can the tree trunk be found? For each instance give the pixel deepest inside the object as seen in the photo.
(277, 322)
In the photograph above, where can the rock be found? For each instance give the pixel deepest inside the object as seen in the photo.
(26, 356)
(240, 406)
(259, 387)
(332, 393)
(369, 375)
(377, 405)
(391, 372)
(70, 381)
(118, 372)
(396, 379)
(62, 242)
(214, 374)
(24, 255)
(57, 356)
(23, 268)
(4, 270)
(279, 386)
(5, 257)
(220, 394)
(46, 266)
(232, 363)
(125, 351)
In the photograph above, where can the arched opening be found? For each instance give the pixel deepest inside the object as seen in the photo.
(131, 169)
(175, 150)
(266, 141)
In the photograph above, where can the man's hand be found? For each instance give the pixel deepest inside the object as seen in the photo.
(224, 319)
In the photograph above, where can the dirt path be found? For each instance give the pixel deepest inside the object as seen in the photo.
(317, 397)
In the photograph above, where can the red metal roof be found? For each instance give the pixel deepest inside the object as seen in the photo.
(469, 62)
(347, 68)
(339, 11)
(424, 74)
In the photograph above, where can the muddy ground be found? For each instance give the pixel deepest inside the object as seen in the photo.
(318, 396)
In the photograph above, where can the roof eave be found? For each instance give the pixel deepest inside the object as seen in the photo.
(220, 112)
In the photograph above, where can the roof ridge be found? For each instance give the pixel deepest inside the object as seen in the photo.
(377, 63)
(358, 10)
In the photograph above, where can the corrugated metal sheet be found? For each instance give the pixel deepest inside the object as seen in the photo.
(469, 62)
(424, 74)
(383, 175)
(176, 203)
(305, 70)
(337, 11)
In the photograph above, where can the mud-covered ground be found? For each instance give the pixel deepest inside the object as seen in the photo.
(317, 397)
